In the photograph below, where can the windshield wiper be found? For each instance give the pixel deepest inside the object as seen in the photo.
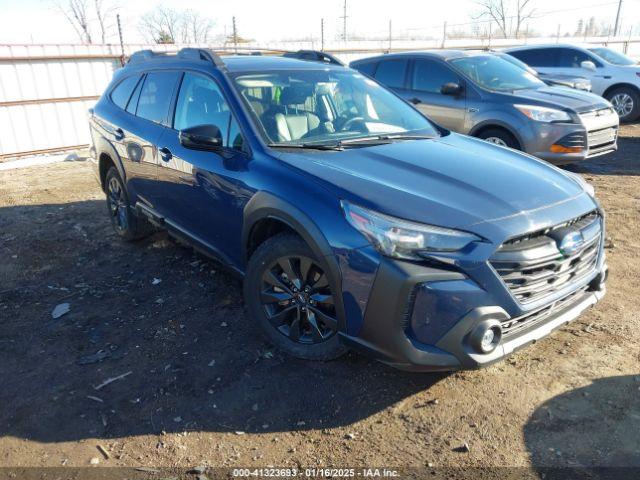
(309, 146)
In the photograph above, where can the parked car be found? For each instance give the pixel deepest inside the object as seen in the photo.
(613, 75)
(569, 81)
(353, 219)
(486, 96)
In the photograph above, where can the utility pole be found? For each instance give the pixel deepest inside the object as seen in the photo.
(322, 34)
(558, 34)
(235, 35)
(617, 26)
(344, 21)
(121, 41)
(444, 34)
(389, 36)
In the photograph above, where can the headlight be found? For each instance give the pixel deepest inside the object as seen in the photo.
(586, 186)
(403, 239)
(544, 114)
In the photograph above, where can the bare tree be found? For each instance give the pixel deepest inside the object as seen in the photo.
(165, 25)
(104, 9)
(162, 24)
(509, 15)
(76, 13)
(197, 27)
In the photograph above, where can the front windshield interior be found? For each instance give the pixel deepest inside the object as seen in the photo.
(325, 107)
(495, 73)
(611, 56)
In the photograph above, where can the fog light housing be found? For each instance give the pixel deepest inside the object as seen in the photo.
(486, 336)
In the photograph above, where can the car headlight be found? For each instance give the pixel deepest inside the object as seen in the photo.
(544, 114)
(399, 238)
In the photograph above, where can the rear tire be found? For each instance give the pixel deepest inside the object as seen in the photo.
(123, 218)
(500, 137)
(290, 297)
(626, 102)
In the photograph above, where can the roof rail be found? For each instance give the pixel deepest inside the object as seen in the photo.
(144, 55)
(314, 56)
(205, 54)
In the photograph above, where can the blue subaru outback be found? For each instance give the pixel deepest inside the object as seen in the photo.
(353, 219)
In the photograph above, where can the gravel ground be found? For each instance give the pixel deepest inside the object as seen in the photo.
(197, 386)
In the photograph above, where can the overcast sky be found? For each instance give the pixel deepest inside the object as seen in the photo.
(26, 21)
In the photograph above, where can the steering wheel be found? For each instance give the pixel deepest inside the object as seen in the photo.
(346, 126)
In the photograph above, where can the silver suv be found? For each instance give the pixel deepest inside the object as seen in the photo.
(613, 75)
(486, 96)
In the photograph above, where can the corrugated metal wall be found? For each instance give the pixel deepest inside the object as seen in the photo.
(46, 90)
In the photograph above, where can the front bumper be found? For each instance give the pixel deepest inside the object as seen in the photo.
(595, 135)
(457, 307)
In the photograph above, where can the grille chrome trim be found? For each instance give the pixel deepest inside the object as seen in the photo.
(532, 266)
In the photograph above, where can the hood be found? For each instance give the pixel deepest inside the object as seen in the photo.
(554, 97)
(454, 181)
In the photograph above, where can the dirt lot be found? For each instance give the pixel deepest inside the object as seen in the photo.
(203, 389)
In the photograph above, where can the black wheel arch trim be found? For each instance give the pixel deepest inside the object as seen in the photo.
(488, 124)
(616, 86)
(264, 205)
(104, 147)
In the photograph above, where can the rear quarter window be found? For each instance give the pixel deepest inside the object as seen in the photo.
(122, 92)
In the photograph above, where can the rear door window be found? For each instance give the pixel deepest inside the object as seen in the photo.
(121, 94)
(429, 76)
(156, 95)
(538, 57)
(367, 68)
(392, 72)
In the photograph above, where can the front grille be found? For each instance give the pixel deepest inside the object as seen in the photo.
(533, 267)
(573, 140)
(515, 325)
(604, 137)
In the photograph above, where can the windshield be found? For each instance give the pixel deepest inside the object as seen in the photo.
(495, 73)
(325, 106)
(517, 63)
(611, 56)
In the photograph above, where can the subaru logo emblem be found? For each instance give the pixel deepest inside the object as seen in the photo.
(571, 243)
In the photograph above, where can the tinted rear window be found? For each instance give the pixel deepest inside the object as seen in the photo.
(391, 73)
(120, 95)
(156, 94)
(539, 57)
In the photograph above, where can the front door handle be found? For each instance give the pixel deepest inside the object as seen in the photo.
(118, 134)
(415, 100)
(165, 154)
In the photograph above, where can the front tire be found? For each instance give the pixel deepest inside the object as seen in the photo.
(289, 295)
(501, 137)
(626, 103)
(124, 221)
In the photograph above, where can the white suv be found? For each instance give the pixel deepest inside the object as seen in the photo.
(612, 74)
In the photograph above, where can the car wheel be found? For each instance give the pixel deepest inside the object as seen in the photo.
(123, 219)
(626, 103)
(500, 137)
(290, 296)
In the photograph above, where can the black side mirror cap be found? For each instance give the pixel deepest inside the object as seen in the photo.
(201, 137)
(451, 89)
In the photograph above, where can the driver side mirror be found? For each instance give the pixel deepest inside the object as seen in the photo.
(588, 65)
(201, 137)
(451, 88)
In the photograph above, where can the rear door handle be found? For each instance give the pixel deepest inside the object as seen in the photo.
(165, 154)
(415, 100)
(118, 134)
